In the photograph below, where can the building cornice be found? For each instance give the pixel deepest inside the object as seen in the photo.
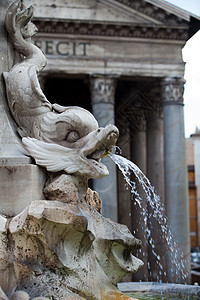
(109, 29)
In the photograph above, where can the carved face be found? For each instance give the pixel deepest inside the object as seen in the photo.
(73, 142)
(115, 241)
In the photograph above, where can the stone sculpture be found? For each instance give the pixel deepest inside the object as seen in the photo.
(61, 247)
(72, 131)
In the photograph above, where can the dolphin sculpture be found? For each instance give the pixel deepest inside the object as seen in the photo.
(58, 138)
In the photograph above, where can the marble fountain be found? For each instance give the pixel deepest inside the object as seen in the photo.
(54, 242)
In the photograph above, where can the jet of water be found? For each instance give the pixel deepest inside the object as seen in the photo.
(157, 212)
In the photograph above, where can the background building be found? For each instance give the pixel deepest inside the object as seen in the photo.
(121, 59)
(193, 164)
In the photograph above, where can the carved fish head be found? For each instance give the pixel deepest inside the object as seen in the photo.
(71, 141)
(96, 145)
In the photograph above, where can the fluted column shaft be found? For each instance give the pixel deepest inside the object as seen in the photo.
(176, 194)
(139, 226)
(155, 173)
(103, 100)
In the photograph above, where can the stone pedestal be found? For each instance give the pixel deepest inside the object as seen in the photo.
(19, 185)
(11, 151)
(102, 94)
(20, 181)
(176, 193)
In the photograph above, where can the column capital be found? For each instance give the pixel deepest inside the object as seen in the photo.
(102, 88)
(172, 90)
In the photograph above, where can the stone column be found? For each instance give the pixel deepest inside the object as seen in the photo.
(124, 198)
(155, 154)
(139, 148)
(176, 193)
(103, 100)
(155, 173)
(155, 142)
(139, 157)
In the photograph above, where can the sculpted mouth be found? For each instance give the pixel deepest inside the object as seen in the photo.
(104, 140)
(105, 148)
(124, 257)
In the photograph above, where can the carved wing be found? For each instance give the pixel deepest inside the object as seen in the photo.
(53, 157)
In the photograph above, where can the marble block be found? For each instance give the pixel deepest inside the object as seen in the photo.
(19, 185)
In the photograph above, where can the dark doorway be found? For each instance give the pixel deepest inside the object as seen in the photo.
(68, 91)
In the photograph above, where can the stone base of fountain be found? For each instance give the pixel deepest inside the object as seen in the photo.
(58, 250)
(181, 290)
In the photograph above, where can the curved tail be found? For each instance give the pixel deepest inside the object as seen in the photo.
(20, 28)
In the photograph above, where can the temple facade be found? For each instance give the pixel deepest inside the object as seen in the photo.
(122, 60)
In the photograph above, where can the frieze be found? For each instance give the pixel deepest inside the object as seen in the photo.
(63, 47)
(115, 30)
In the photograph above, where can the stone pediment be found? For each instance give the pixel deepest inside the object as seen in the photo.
(110, 11)
(119, 18)
(107, 11)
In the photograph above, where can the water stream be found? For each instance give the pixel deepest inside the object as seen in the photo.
(154, 215)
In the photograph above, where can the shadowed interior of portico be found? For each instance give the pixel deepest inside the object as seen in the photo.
(68, 91)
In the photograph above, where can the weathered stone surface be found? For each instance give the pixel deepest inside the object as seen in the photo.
(11, 150)
(6, 278)
(61, 188)
(19, 185)
(92, 198)
(86, 252)
(176, 174)
(76, 9)
(124, 38)
(163, 61)
(19, 295)
(183, 290)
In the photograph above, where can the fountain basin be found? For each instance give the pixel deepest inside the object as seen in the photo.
(160, 289)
